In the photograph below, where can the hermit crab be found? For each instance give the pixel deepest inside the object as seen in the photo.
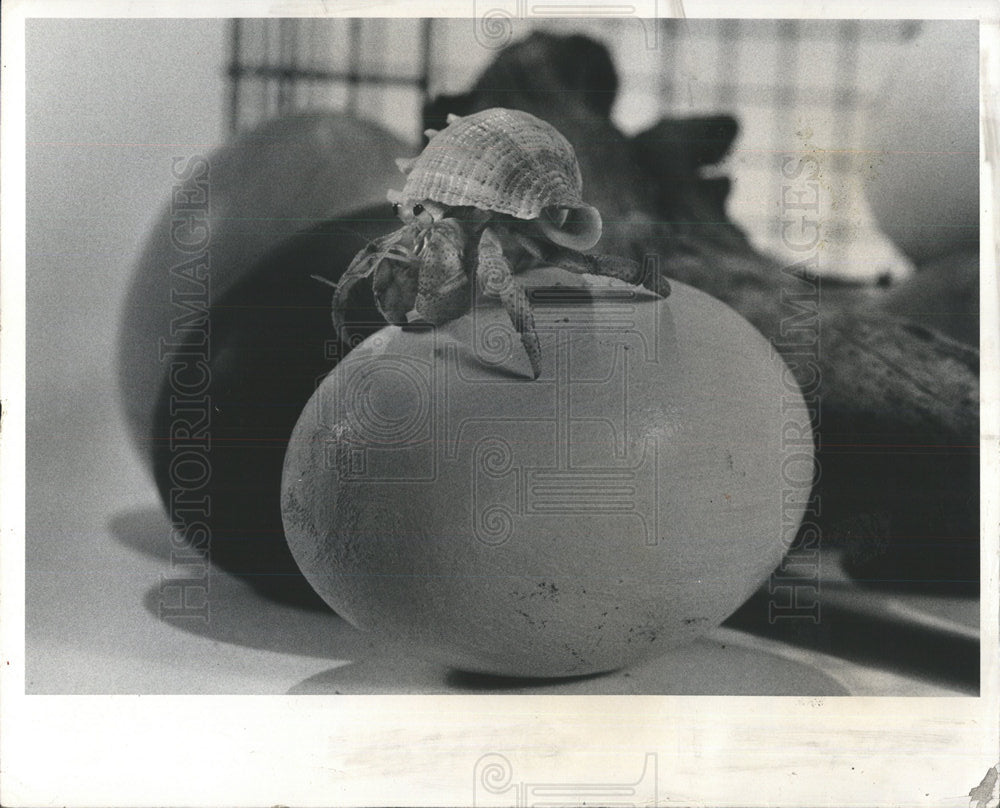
(491, 195)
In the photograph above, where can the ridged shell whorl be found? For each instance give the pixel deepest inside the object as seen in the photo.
(501, 160)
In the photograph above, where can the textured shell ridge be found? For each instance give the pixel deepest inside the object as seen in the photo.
(499, 160)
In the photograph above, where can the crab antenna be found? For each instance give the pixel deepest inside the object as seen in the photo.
(321, 279)
(405, 164)
(452, 117)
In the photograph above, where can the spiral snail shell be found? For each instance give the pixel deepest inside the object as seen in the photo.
(491, 195)
(508, 162)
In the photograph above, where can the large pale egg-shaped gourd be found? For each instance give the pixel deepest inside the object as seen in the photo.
(228, 208)
(223, 330)
(627, 501)
(922, 142)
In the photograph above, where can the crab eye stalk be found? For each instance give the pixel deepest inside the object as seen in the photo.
(395, 209)
(418, 209)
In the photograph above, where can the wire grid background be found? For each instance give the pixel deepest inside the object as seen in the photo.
(799, 88)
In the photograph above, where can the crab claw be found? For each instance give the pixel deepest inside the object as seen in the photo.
(361, 266)
(443, 291)
(394, 285)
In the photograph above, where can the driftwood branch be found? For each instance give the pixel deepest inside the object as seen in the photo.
(895, 399)
(880, 370)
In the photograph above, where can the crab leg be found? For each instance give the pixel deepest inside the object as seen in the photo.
(362, 266)
(646, 274)
(496, 279)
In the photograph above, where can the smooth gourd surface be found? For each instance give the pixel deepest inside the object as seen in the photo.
(627, 501)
